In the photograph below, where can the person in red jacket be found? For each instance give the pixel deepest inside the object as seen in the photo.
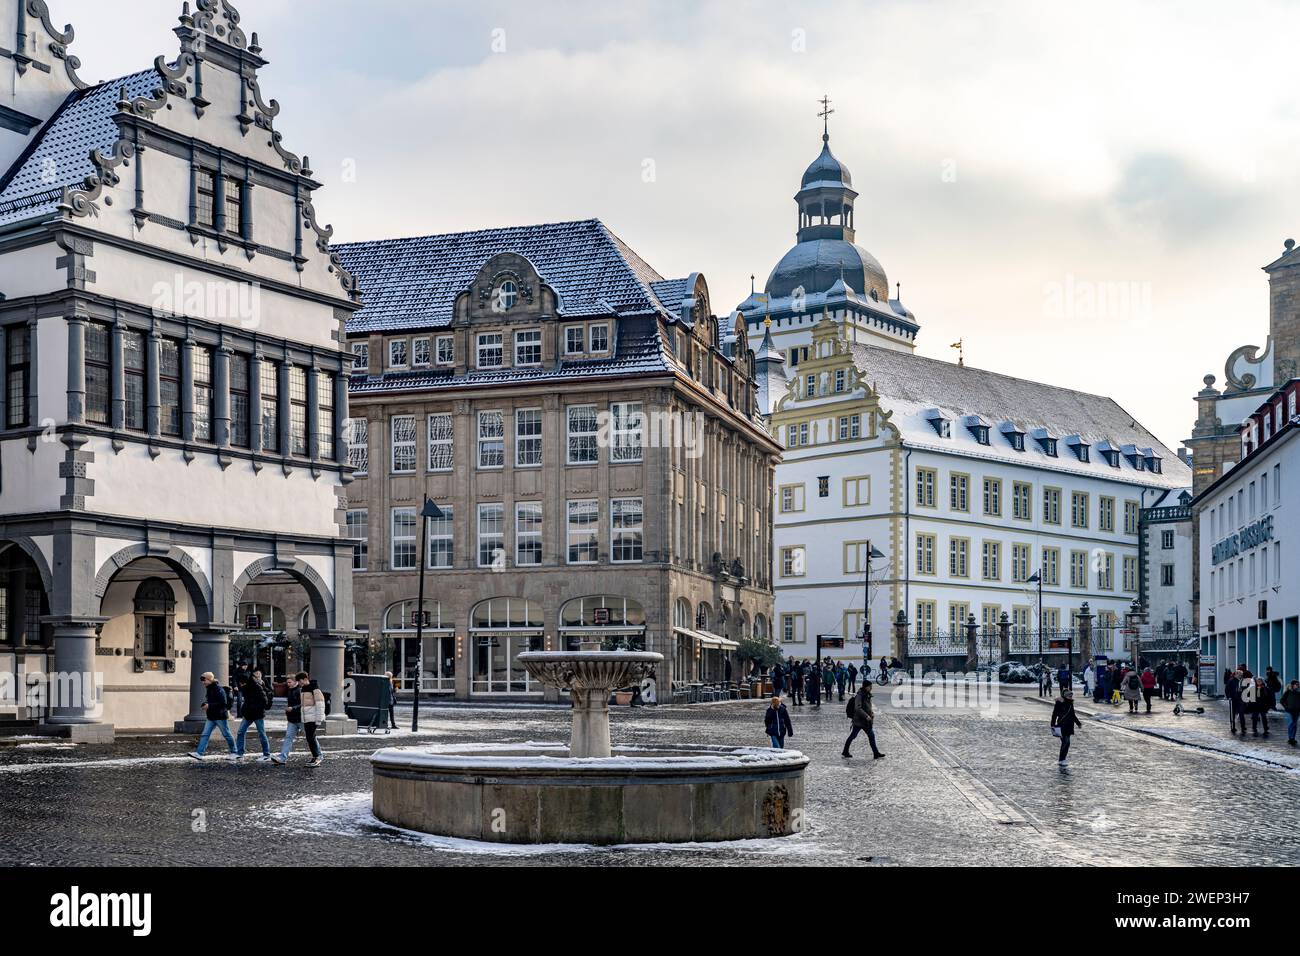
(1148, 686)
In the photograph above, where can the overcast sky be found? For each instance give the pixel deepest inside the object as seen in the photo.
(1083, 193)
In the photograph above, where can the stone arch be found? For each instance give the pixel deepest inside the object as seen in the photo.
(319, 596)
(185, 567)
(30, 548)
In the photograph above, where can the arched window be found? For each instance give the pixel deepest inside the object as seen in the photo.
(760, 628)
(500, 614)
(704, 617)
(260, 619)
(155, 620)
(400, 617)
(602, 611)
(682, 614)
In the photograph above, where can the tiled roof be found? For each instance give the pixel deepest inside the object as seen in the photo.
(60, 154)
(638, 350)
(912, 387)
(413, 283)
(671, 293)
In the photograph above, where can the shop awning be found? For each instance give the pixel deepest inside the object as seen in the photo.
(707, 639)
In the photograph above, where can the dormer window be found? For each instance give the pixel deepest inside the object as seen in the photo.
(1017, 440)
(420, 354)
(1046, 442)
(1112, 457)
(361, 356)
(397, 354)
(981, 433)
(599, 338)
(1049, 447)
(490, 352)
(573, 340)
(941, 425)
(1082, 450)
(507, 296)
(446, 350)
(1154, 464)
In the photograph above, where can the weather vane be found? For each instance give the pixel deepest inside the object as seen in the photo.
(825, 115)
(960, 346)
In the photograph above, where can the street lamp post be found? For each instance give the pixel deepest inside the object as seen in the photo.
(1038, 579)
(868, 599)
(429, 511)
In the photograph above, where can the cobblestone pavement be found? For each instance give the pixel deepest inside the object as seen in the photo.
(956, 788)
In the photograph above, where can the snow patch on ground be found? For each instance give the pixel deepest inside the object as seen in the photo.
(351, 815)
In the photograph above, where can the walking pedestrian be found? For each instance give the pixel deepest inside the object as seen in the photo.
(216, 713)
(814, 687)
(778, 679)
(1044, 682)
(1148, 686)
(828, 680)
(392, 700)
(1088, 674)
(1064, 723)
(293, 719)
(257, 700)
(1236, 708)
(1180, 678)
(776, 720)
(1265, 700)
(1291, 704)
(795, 683)
(1132, 690)
(841, 678)
(1273, 681)
(853, 679)
(864, 719)
(1250, 704)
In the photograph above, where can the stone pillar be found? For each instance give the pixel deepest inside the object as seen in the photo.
(76, 369)
(590, 735)
(327, 671)
(900, 637)
(77, 708)
(221, 396)
(1085, 617)
(210, 651)
(1004, 636)
(187, 390)
(972, 630)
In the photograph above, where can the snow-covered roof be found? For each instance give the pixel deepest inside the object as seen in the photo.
(912, 387)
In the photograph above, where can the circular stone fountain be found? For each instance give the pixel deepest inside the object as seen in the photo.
(590, 792)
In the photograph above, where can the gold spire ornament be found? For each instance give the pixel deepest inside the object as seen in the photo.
(960, 346)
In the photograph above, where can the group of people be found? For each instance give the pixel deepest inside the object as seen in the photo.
(1258, 696)
(250, 697)
(1117, 682)
(860, 712)
(799, 680)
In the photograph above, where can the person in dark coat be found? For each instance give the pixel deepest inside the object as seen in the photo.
(1232, 691)
(864, 719)
(853, 679)
(795, 680)
(778, 679)
(1065, 720)
(1180, 678)
(813, 688)
(392, 701)
(257, 699)
(216, 711)
(1265, 701)
(776, 720)
(841, 678)
(1291, 704)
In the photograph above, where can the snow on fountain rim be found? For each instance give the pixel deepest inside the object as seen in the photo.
(635, 656)
(545, 756)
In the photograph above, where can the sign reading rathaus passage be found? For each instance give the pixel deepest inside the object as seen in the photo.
(1250, 537)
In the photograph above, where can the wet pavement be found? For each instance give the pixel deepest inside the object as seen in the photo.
(956, 788)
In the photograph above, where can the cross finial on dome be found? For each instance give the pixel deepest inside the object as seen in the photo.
(825, 115)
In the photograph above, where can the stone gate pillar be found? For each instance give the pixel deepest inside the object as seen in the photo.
(972, 644)
(900, 637)
(1004, 636)
(1085, 618)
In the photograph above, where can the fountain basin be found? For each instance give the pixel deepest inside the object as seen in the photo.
(538, 793)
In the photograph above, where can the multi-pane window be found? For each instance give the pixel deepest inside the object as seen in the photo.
(1020, 563)
(1105, 514)
(1079, 509)
(491, 534)
(491, 440)
(325, 417)
(599, 338)
(297, 410)
(240, 406)
(959, 558)
(628, 421)
(792, 498)
(1106, 573)
(1167, 574)
(441, 547)
(583, 531)
(528, 437)
(1021, 500)
(403, 444)
(99, 373)
(169, 387)
(528, 347)
(398, 353)
(793, 562)
(490, 351)
(857, 492)
(793, 628)
(957, 614)
(925, 545)
(1051, 505)
(234, 206)
(446, 350)
(402, 540)
(925, 482)
(18, 364)
(420, 353)
(1130, 517)
(205, 189)
(850, 427)
(358, 435)
(925, 620)
(1131, 573)
(1051, 567)
(627, 529)
(583, 425)
(1078, 569)
(528, 534)
(959, 493)
(359, 532)
(441, 456)
(1166, 540)
(270, 390)
(202, 359)
(361, 356)
(991, 562)
(797, 435)
(573, 340)
(992, 497)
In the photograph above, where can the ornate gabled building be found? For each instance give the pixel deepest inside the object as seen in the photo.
(590, 433)
(173, 387)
